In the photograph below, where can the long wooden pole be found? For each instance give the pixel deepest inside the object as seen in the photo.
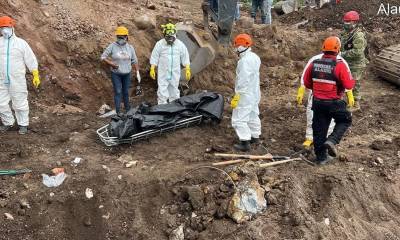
(226, 155)
(265, 165)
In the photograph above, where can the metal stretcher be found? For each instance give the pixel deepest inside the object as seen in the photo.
(110, 141)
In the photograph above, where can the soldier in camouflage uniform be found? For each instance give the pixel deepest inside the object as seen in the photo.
(354, 44)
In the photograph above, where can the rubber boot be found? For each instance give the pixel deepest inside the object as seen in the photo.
(330, 146)
(243, 146)
(255, 140)
(23, 130)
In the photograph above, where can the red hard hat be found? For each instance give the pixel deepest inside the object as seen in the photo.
(243, 40)
(6, 21)
(351, 16)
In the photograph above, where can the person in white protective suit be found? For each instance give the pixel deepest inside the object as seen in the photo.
(15, 55)
(300, 95)
(168, 55)
(245, 115)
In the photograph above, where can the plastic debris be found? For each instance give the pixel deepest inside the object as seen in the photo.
(89, 193)
(56, 171)
(54, 181)
(76, 161)
(327, 221)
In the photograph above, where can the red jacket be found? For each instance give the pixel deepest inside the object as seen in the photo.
(328, 86)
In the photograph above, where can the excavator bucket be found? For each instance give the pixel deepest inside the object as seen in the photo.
(201, 45)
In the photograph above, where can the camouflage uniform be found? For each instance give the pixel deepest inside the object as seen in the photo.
(354, 44)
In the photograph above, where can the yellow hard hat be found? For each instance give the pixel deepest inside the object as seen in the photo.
(121, 31)
(169, 29)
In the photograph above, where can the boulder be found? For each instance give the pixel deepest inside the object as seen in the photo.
(145, 22)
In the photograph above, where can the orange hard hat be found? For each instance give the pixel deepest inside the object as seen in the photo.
(331, 44)
(243, 40)
(6, 21)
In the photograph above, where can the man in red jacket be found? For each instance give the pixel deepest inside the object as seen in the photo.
(328, 78)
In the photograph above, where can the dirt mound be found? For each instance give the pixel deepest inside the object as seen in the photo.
(383, 30)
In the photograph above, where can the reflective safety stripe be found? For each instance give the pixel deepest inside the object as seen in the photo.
(324, 81)
(8, 62)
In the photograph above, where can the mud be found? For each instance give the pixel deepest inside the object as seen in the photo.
(359, 195)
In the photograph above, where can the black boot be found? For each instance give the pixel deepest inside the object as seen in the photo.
(330, 146)
(243, 146)
(255, 140)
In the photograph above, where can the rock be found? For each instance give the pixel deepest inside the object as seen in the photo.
(177, 234)
(131, 164)
(107, 169)
(343, 158)
(87, 221)
(150, 5)
(245, 22)
(222, 209)
(196, 197)
(247, 201)
(88, 193)
(21, 212)
(58, 163)
(173, 209)
(125, 158)
(3, 203)
(24, 203)
(86, 126)
(224, 188)
(168, 4)
(379, 160)
(234, 176)
(145, 22)
(272, 199)
(104, 109)
(8, 216)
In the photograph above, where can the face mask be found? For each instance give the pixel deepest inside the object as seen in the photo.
(348, 26)
(122, 40)
(240, 49)
(170, 39)
(7, 32)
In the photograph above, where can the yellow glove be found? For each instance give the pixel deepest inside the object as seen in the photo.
(350, 98)
(300, 95)
(153, 72)
(188, 72)
(235, 101)
(36, 79)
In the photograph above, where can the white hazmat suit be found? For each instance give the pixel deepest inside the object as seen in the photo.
(15, 55)
(168, 59)
(310, 113)
(245, 117)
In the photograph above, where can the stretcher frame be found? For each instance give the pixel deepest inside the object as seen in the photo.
(110, 141)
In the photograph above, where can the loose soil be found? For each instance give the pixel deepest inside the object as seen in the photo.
(355, 197)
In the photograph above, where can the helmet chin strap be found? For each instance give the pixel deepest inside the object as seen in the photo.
(240, 52)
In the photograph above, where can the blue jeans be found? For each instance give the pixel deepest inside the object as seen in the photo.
(265, 8)
(121, 84)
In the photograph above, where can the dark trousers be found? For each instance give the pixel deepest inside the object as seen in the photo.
(324, 112)
(121, 84)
